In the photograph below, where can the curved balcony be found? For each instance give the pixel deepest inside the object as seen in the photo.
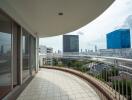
(56, 83)
(51, 84)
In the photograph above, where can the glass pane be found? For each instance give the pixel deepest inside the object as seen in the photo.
(5, 55)
(33, 54)
(26, 55)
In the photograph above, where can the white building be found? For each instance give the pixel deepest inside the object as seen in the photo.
(122, 53)
(42, 49)
(45, 55)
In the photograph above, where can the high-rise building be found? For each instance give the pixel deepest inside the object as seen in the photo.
(96, 48)
(70, 43)
(2, 49)
(45, 55)
(118, 39)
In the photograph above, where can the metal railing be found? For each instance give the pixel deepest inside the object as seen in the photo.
(116, 73)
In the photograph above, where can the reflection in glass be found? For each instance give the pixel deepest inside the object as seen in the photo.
(5, 55)
(26, 55)
(33, 53)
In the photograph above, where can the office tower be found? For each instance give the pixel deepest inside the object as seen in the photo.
(70, 43)
(118, 39)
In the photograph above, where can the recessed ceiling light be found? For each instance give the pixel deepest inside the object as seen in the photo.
(60, 13)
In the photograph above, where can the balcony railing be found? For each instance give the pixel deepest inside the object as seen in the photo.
(111, 72)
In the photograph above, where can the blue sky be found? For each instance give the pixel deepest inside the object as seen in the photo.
(118, 15)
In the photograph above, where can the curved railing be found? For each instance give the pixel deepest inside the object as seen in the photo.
(113, 72)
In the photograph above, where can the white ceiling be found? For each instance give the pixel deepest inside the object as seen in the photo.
(41, 16)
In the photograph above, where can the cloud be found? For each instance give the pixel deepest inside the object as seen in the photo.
(128, 21)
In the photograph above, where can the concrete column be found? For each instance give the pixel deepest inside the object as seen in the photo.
(37, 54)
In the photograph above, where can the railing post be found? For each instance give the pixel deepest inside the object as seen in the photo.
(115, 61)
(126, 87)
(131, 88)
(117, 64)
(122, 84)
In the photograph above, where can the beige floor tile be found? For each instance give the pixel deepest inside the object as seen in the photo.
(57, 85)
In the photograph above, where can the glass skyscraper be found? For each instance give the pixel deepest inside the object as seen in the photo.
(70, 43)
(119, 39)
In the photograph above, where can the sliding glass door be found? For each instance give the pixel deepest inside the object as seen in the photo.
(33, 54)
(5, 55)
(17, 48)
(25, 54)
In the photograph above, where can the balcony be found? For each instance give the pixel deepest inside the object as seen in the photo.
(51, 84)
(23, 22)
(109, 84)
(109, 76)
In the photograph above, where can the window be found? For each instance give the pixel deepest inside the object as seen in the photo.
(5, 55)
(25, 53)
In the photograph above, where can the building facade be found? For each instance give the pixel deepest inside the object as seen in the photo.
(119, 39)
(45, 55)
(70, 43)
(42, 49)
(18, 54)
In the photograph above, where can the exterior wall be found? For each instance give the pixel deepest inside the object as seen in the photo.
(118, 39)
(70, 43)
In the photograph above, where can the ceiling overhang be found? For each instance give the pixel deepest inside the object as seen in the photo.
(54, 17)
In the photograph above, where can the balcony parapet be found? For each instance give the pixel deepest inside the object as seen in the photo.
(104, 91)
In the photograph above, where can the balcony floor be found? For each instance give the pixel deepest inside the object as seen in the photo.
(57, 85)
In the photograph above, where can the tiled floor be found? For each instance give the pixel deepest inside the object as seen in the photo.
(57, 85)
